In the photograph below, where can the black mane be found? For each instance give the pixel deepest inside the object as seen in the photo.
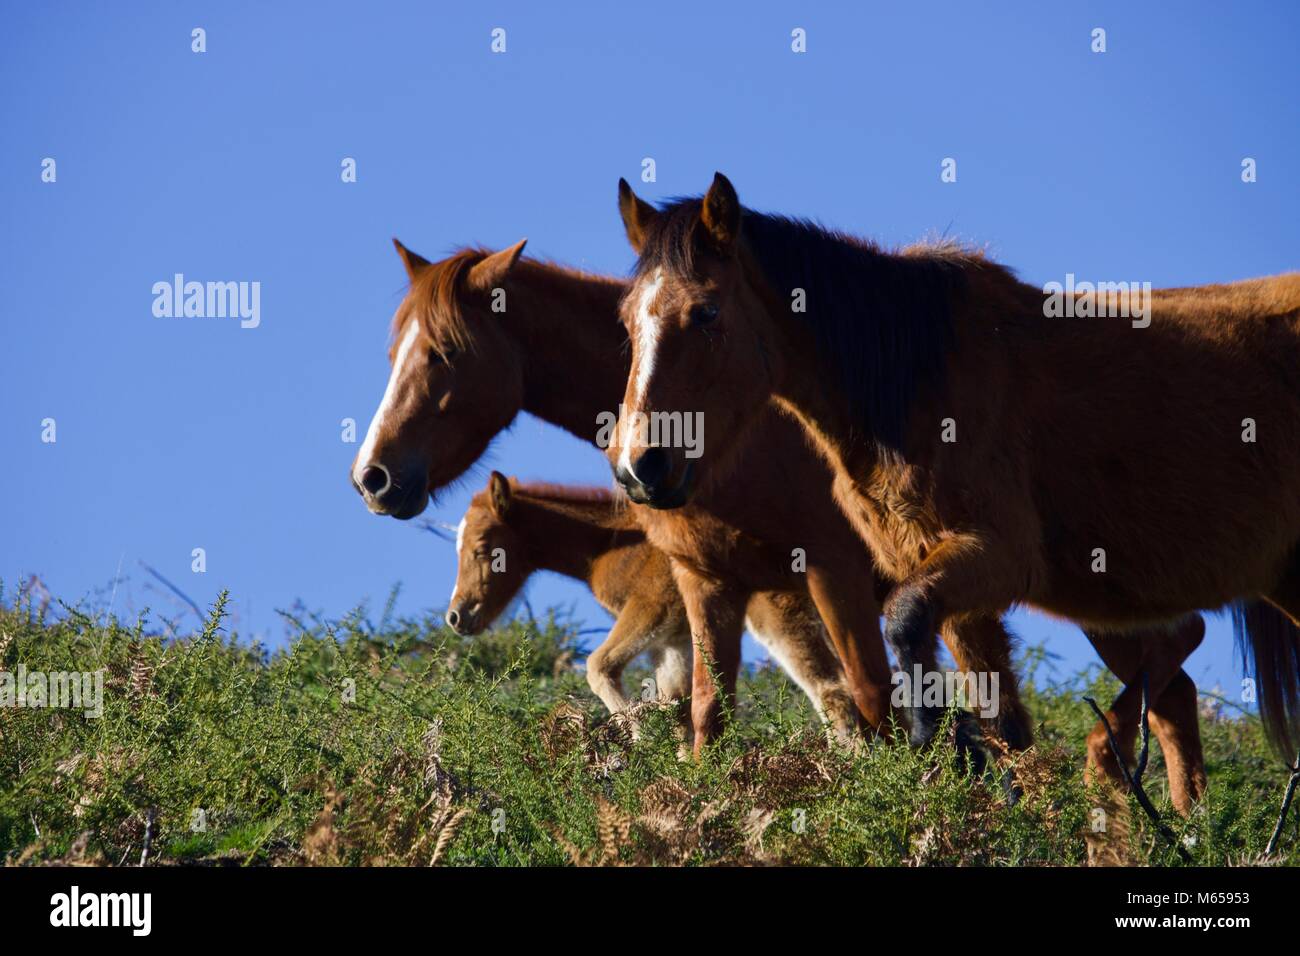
(881, 320)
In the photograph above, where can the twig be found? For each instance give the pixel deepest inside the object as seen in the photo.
(439, 529)
(1141, 767)
(1226, 702)
(35, 587)
(150, 817)
(117, 579)
(1134, 780)
(175, 590)
(1286, 806)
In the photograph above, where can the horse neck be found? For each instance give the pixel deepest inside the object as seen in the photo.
(820, 415)
(576, 361)
(566, 536)
(801, 389)
(811, 391)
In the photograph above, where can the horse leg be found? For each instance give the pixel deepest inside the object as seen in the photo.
(671, 663)
(961, 576)
(1172, 706)
(1174, 709)
(717, 613)
(672, 667)
(788, 626)
(981, 646)
(1123, 655)
(637, 628)
(1176, 723)
(852, 619)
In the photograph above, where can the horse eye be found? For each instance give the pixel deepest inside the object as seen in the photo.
(448, 354)
(704, 314)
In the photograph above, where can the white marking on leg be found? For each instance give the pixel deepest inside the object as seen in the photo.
(390, 394)
(776, 648)
(673, 673)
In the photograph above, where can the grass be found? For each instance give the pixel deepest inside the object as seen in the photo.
(403, 744)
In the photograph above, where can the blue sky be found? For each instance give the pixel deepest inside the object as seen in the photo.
(181, 433)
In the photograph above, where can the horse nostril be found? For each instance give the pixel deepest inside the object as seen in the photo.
(652, 467)
(453, 618)
(374, 478)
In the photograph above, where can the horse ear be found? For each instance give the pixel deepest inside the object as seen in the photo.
(637, 215)
(489, 272)
(499, 494)
(720, 214)
(412, 261)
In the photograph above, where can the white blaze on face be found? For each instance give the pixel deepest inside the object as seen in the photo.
(404, 352)
(647, 343)
(647, 336)
(460, 546)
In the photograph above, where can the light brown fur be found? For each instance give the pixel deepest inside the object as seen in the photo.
(481, 368)
(512, 530)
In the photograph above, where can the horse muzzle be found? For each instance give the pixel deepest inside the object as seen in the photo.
(402, 496)
(465, 620)
(654, 486)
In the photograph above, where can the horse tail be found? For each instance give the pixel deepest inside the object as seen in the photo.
(1269, 645)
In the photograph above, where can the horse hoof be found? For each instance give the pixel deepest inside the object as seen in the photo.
(923, 726)
(1010, 789)
(970, 745)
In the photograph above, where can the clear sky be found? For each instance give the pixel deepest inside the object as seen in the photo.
(177, 433)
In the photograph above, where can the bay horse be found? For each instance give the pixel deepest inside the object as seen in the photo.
(559, 353)
(1103, 470)
(513, 529)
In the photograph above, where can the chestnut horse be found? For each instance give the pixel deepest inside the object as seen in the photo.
(512, 530)
(1104, 470)
(475, 369)
(463, 370)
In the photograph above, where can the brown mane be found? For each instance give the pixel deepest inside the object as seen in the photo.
(563, 494)
(434, 300)
(587, 503)
(882, 319)
(438, 288)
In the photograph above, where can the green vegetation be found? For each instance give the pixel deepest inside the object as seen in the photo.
(401, 743)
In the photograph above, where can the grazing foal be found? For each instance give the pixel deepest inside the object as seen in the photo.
(512, 530)
(1105, 470)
